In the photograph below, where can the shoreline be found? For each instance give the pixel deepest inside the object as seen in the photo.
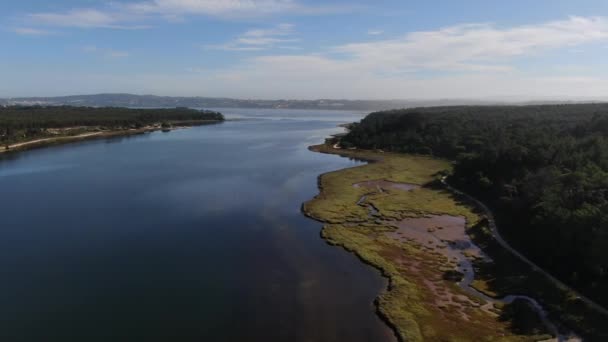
(389, 280)
(383, 309)
(99, 134)
(384, 318)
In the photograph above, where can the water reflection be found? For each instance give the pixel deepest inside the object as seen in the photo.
(194, 235)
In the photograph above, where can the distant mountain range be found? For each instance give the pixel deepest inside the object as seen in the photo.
(129, 100)
(152, 101)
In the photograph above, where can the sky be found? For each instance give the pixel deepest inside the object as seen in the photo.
(306, 49)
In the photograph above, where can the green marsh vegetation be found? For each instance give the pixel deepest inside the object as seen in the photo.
(415, 304)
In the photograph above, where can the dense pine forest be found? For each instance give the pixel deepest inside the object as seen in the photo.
(544, 170)
(27, 122)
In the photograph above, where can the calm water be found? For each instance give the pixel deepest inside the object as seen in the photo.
(193, 235)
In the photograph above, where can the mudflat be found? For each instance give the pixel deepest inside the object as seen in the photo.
(392, 215)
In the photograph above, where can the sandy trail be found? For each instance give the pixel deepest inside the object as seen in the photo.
(33, 142)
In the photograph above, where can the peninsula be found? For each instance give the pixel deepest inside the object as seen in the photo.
(26, 127)
(452, 275)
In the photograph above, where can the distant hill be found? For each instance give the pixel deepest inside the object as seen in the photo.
(151, 101)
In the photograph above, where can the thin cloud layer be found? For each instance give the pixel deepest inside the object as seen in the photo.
(131, 15)
(259, 39)
(475, 47)
(470, 47)
(29, 31)
(479, 55)
(375, 32)
(452, 61)
(86, 18)
(105, 52)
(213, 7)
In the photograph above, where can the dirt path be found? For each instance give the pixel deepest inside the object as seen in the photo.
(496, 235)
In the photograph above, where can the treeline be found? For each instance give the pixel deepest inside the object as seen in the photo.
(23, 117)
(24, 121)
(543, 168)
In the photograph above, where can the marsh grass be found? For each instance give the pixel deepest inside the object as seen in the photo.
(416, 273)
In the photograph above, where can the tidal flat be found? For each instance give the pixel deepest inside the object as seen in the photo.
(394, 216)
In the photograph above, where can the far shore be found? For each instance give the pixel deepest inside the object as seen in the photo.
(98, 134)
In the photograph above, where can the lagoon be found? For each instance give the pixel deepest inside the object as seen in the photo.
(192, 235)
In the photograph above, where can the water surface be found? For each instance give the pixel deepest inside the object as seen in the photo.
(193, 235)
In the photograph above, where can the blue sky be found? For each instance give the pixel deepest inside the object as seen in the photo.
(306, 49)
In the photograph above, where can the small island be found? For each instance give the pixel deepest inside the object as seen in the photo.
(26, 127)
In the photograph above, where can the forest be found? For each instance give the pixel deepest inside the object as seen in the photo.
(26, 122)
(543, 169)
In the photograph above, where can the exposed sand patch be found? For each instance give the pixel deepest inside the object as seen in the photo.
(444, 236)
(447, 234)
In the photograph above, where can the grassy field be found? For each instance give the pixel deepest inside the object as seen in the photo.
(415, 303)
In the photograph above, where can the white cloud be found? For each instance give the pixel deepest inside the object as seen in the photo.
(474, 46)
(77, 18)
(279, 30)
(29, 31)
(319, 79)
(512, 86)
(259, 39)
(375, 32)
(234, 8)
(122, 15)
(214, 7)
(469, 60)
(461, 52)
(463, 61)
(107, 53)
(196, 70)
(86, 18)
(117, 54)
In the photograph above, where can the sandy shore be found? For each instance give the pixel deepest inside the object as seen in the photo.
(43, 142)
(47, 140)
